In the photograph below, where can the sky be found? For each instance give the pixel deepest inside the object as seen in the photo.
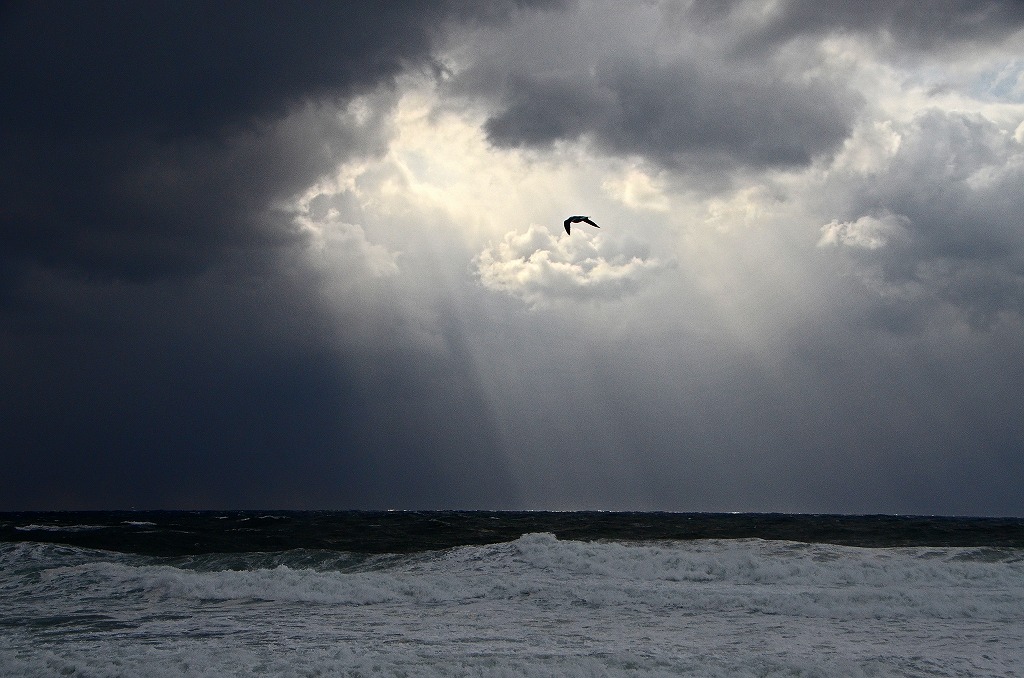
(311, 256)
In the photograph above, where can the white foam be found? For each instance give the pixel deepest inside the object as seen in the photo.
(59, 528)
(537, 606)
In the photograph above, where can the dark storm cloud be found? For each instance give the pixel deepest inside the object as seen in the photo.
(140, 137)
(678, 113)
(679, 96)
(733, 98)
(164, 345)
(141, 208)
(939, 24)
(220, 393)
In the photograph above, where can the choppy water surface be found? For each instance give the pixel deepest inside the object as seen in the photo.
(443, 594)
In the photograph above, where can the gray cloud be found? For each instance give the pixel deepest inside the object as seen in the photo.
(678, 113)
(945, 23)
(144, 208)
(941, 221)
(686, 102)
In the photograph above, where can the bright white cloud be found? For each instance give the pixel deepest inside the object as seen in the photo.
(333, 242)
(639, 190)
(541, 268)
(868, 232)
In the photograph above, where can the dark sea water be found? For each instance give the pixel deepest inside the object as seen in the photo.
(427, 594)
(180, 533)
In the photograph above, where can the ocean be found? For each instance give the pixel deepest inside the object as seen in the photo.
(251, 593)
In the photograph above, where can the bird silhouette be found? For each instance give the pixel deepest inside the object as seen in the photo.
(576, 220)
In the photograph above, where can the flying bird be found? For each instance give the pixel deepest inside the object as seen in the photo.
(576, 220)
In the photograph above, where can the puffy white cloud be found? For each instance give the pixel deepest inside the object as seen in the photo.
(869, 232)
(541, 268)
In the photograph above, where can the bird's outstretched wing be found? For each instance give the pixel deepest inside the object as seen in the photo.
(587, 220)
(566, 224)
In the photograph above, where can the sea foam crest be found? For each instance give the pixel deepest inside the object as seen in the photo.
(538, 569)
(536, 606)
